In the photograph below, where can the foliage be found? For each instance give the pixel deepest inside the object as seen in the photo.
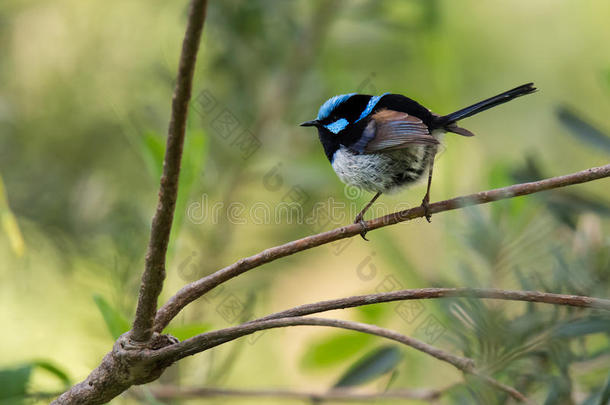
(372, 365)
(84, 105)
(15, 381)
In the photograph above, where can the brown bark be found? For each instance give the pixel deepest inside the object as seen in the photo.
(154, 271)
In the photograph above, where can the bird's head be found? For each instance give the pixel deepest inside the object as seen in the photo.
(339, 112)
(341, 119)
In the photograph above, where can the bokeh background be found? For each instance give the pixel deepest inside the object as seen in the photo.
(84, 107)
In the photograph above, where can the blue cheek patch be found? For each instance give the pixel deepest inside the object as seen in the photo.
(370, 106)
(337, 126)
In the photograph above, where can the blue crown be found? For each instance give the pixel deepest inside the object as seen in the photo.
(327, 108)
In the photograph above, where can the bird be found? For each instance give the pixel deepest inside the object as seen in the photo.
(385, 143)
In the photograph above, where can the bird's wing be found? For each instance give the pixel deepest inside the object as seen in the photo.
(390, 130)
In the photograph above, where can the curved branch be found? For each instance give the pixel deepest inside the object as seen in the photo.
(208, 340)
(194, 290)
(431, 293)
(211, 339)
(172, 392)
(154, 271)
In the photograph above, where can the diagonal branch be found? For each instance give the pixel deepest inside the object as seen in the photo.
(206, 341)
(196, 289)
(431, 293)
(154, 272)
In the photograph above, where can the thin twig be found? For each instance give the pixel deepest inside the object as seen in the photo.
(154, 272)
(196, 289)
(206, 341)
(503, 387)
(431, 293)
(173, 392)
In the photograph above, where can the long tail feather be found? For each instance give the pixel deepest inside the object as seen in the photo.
(447, 120)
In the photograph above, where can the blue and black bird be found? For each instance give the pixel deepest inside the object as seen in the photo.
(382, 143)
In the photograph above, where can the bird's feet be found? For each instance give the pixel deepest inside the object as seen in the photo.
(425, 203)
(359, 220)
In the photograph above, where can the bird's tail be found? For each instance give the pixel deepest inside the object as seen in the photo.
(447, 122)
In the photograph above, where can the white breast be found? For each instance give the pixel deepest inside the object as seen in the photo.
(384, 172)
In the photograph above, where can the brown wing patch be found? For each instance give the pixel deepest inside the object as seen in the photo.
(391, 115)
(390, 130)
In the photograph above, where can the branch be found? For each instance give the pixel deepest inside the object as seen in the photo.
(172, 392)
(503, 387)
(206, 341)
(154, 272)
(431, 293)
(211, 339)
(194, 290)
(124, 366)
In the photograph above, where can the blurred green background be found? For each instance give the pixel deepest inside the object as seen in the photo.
(84, 107)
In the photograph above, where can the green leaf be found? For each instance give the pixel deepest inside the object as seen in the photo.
(582, 327)
(559, 392)
(195, 147)
(9, 224)
(11, 228)
(116, 323)
(152, 147)
(372, 313)
(604, 395)
(584, 131)
(183, 332)
(374, 364)
(14, 383)
(564, 205)
(333, 350)
(53, 369)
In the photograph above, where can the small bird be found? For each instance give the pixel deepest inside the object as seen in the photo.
(383, 143)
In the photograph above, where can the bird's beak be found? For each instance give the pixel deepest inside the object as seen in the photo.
(311, 123)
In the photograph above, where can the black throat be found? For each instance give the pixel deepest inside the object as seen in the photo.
(329, 142)
(347, 137)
